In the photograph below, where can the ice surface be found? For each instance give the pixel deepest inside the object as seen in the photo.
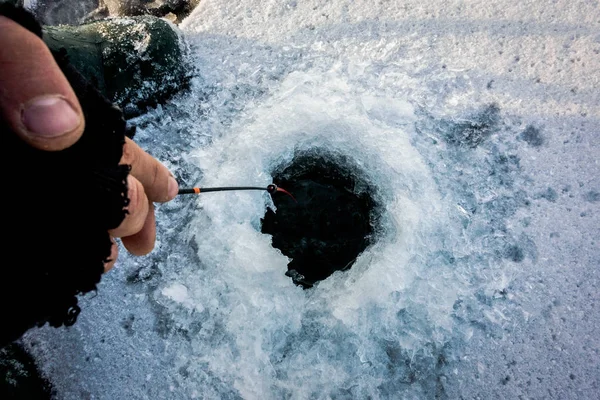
(477, 122)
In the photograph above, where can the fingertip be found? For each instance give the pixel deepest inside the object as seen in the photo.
(158, 182)
(137, 210)
(36, 99)
(173, 188)
(51, 122)
(142, 242)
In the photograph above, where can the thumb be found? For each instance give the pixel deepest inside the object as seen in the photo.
(36, 99)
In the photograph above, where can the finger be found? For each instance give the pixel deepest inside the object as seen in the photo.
(142, 242)
(158, 182)
(136, 210)
(36, 99)
(114, 253)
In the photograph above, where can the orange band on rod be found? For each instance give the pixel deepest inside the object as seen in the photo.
(197, 190)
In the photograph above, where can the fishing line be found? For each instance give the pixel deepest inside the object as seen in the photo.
(272, 189)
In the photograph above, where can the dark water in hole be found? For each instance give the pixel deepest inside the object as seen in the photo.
(331, 223)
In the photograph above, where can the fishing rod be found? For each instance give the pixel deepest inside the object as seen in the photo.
(272, 189)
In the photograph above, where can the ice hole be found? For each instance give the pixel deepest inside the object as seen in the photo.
(332, 222)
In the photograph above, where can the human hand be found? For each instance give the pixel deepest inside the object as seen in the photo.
(40, 106)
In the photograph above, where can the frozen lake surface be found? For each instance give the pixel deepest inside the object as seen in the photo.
(477, 121)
